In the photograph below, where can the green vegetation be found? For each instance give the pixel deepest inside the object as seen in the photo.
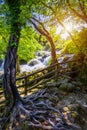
(26, 27)
(31, 40)
(28, 44)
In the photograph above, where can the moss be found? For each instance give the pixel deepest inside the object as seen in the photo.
(63, 87)
(74, 114)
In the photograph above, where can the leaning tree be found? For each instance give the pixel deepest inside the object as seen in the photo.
(45, 33)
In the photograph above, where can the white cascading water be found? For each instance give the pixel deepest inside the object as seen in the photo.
(2, 66)
(46, 60)
(1, 69)
(41, 61)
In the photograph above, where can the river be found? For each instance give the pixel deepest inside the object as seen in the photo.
(41, 60)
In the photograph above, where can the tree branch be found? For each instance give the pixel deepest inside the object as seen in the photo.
(40, 24)
(75, 12)
(58, 20)
(38, 29)
(81, 5)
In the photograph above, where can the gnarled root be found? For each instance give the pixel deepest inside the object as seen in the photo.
(37, 112)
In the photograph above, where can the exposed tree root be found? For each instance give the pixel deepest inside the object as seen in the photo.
(37, 112)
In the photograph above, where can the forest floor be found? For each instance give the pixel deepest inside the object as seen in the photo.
(53, 109)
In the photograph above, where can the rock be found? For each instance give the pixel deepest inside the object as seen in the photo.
(62, 128)
(47, 60)
(24, 68)
(63, 87)
(71, 119)
(70, 87)
(66, 109)
(75, 127)
(40, 58)
(32, 65)
(42, 53)
(22, 62)
(33, 62)
(84, 108)
(74, 107)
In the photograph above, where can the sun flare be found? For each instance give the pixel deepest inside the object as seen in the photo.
(64, 32)
(68, 26)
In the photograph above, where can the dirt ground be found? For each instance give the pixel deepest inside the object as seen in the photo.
(56, 110)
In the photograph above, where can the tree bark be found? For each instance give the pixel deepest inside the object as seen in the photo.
(9, 80)
(53, 49)
(45, 33)
(17, 65)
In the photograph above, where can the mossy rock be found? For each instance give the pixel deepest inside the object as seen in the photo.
(70, 87)
(63, 87)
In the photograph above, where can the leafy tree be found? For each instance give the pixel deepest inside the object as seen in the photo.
(30, 34)
(29, 43)
(79, 8)
(4, 29)
(19, 32)
(55, 7)
(9, 81)
(81, 42)
(45, 33)
(36, 13)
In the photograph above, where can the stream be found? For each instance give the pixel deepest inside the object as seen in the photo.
(41, 60)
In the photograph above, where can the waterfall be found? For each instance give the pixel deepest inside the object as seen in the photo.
(46, 60)
(2, 66)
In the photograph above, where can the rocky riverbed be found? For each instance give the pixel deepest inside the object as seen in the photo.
(41, 60)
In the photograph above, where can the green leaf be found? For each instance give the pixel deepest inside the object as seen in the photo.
(13, 44)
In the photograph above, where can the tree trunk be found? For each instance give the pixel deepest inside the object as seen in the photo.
(9, 80)
(17, 65)
(53, 50)
(45, 33)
